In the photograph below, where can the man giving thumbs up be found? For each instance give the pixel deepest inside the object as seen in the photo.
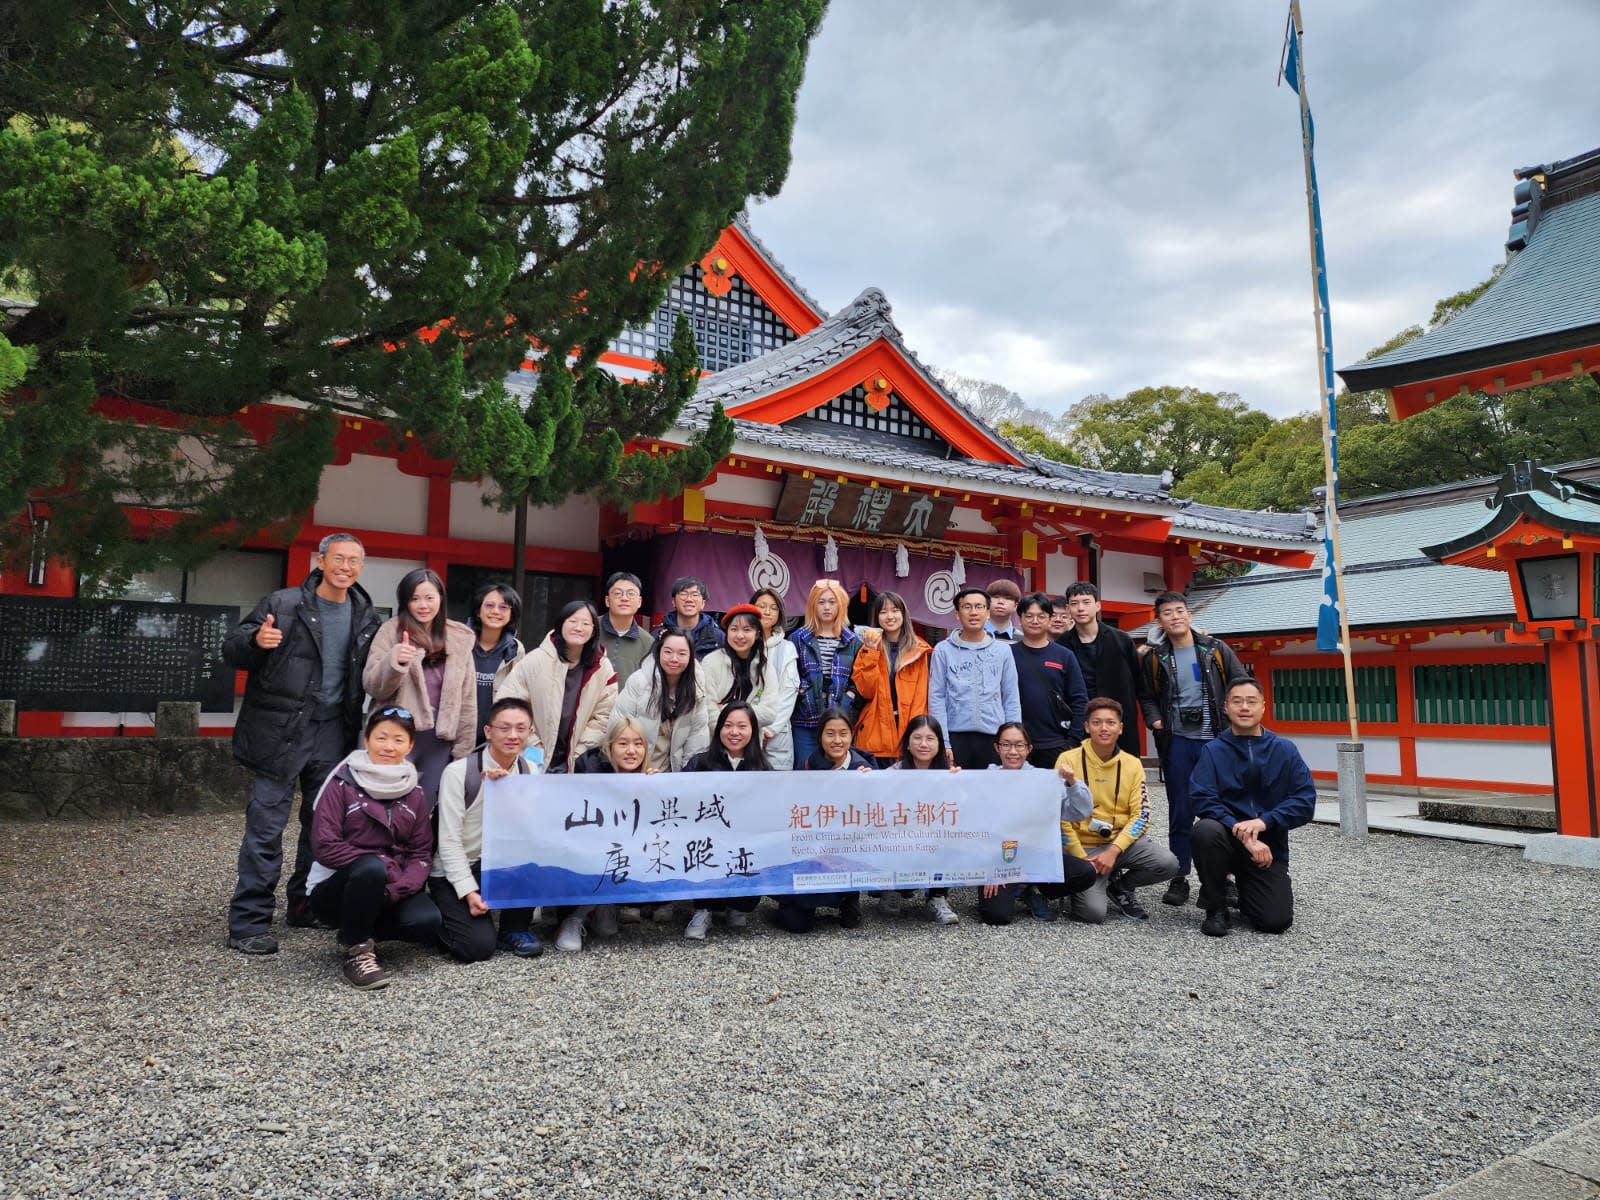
(304, 649)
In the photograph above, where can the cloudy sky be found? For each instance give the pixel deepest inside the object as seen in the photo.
(1071, 197)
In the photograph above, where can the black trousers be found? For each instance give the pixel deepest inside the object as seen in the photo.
(972, 751)
(744, 904)
(1266, 896)
(1077, 875)
(354, 899)
(308, 761)
(798, 914)
(1001, 908)
(466, 937)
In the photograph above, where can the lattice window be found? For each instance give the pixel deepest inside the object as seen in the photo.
(1480, 694)
(728, 330)
(897, 418)
(1318, 694)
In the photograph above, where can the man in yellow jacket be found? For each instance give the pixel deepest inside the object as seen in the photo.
(1112, 837)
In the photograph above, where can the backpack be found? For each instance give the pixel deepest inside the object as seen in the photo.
(475, 772)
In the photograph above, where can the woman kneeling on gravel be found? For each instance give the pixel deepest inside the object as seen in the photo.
(373, 847)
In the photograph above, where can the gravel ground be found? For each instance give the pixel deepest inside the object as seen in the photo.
(1432, 1010)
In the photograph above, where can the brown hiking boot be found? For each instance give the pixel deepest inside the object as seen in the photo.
(361, 969)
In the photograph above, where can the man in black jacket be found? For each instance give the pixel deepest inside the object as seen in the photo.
(1106, 659)
(304, 649)
(1184, 680)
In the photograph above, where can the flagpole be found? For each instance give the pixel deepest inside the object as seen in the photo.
(1320, 315)
(1350, 755)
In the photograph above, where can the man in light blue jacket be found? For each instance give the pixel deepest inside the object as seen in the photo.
(972, 684)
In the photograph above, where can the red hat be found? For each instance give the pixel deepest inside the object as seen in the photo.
(738, 609)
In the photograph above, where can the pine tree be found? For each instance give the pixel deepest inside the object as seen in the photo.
(365, 207)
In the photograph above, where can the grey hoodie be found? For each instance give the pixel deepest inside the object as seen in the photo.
(972, 686)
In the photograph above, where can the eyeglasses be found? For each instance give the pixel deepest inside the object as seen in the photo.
(622, 593)
(1012, 745)
(394, 710)
(494, 606)
(342, 560)
(1034, 614)
(499, 728)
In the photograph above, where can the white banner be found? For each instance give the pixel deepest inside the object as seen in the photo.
(630, 839)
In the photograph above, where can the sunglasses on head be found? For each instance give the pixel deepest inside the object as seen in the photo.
(394, 710)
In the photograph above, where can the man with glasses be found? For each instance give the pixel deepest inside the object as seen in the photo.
(1049, 684)
(972, 683)
(626, 643)
(688, 616)
(1183, 680)
(1250, 789)
(303, 650)
(466, 927)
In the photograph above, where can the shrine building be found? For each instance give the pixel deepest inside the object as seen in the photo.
(851, 461)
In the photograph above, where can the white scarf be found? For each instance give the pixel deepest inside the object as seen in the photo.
(381, 781)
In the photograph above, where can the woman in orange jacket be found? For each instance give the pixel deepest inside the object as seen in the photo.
(891, 677)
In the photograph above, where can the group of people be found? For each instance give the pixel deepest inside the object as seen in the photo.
(392, 728)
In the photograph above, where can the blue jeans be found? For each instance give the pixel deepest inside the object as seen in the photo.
(1182, 756)
(805, 744)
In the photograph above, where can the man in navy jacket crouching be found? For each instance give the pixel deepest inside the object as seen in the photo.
(1249, 789)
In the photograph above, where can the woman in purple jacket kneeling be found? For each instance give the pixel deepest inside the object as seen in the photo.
(373, 847)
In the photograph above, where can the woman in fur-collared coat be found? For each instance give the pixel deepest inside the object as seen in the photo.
(422, 661)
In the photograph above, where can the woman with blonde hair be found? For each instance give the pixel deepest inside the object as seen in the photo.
(624, 750)
(891, 677)
(825, 653)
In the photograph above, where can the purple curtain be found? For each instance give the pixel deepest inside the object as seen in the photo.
(726, 563)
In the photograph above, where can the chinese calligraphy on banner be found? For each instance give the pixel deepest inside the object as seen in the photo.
(630, 839)
(887, 511)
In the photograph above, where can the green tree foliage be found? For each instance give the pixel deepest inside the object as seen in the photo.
(1180, 429)
(247, 201)
(1463, 437)
(1036, 441)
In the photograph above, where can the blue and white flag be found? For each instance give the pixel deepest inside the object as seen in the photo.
(1328, 614)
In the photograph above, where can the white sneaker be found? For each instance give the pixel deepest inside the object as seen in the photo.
(699, 924)
(736, 919)
(570, 935)
(603, 921)
(941, 910)
(890, 904)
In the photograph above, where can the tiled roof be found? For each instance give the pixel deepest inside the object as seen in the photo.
(1549, 288)
(1387, 580)
(847, 447)
(742, 224)
(858, 324)
(1208, 518)
(866, 319)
